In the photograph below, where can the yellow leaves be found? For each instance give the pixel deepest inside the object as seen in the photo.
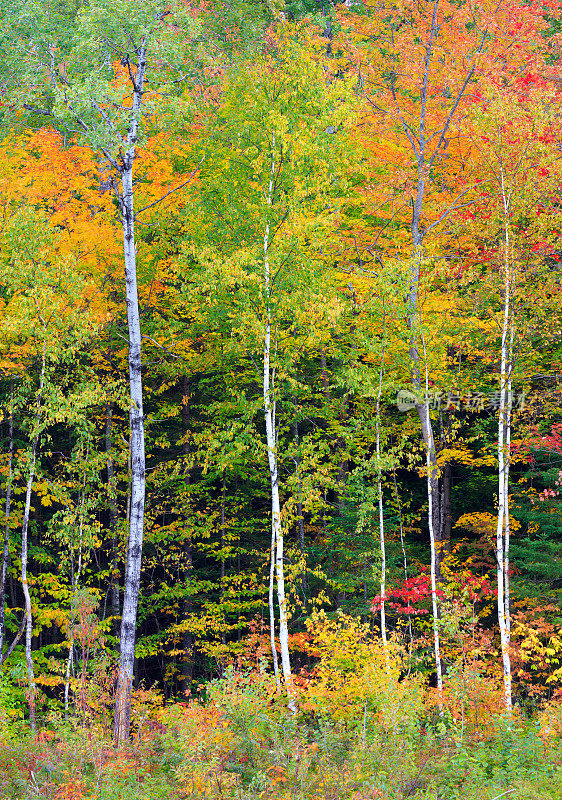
(49, 616)
(537, 642)
(460, 453)
(484, 523)
(356, 669)
(49, 680)
(43, 489)
(479, 522)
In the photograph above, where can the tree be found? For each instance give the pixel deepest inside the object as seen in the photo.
(417, 65)
(98, 85)
(273, 149)
(45, 311)
(512, 137)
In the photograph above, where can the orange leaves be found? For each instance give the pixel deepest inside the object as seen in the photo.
(73, 790)
(277, 775)
(413, 104)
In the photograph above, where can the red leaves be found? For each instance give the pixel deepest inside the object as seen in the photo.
(552, 442)
(528, 79)
(476, 587)
(412, 596)
(405, 598)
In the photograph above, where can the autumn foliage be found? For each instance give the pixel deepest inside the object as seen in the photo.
(340, 225)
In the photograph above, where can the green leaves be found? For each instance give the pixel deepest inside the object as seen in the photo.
(77, 67)
(42, 288)
(281, 118)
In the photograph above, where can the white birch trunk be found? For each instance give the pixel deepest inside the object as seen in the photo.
(272, 611)
(383, 564)
(434, 607)
(503, 426)
(271, 438)
(506, 482)
(380, 502)
(6, 551)
(276, 527)
(26, 594)
(24, 554)
(431, 466)
(122, 718)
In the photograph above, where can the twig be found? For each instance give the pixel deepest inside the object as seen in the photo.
(171, 191)
(17, 637)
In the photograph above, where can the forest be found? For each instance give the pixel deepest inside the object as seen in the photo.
(280, 399)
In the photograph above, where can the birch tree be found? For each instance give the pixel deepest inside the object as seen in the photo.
(504, 438)
(98, 93)
(6, 549)
(43, 322)
(510, 137)
(32, 458)
(379, 487)
(269, 153)
(417, 66)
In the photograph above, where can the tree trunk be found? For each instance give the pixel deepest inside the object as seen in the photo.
(272, 611)
(276, 529)
(222, 557)
(506, 481)
(115, 603)
(69, 662)
(434, 608)
(416, 331)
(187, 664)
(134, 552)
(445, 519)
(271, 436)
(122, 719)
(432, 505)
(277, 536)
(6, 550)
(379, 491)
(426, 145)
(504, 425)
(432, 498)
(24, 554)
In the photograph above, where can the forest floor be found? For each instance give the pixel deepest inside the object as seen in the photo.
(240, 741)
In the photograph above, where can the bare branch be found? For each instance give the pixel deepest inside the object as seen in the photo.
(454, 206)
(106, 119)
(10, 650)
(407, 129)
(171, 191)
(425, 80)
(459, 97)
(161, 346)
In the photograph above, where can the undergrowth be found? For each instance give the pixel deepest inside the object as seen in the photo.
(364, 729)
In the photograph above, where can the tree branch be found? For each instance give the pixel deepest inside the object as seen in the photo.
(171, 191)
(10, 650)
